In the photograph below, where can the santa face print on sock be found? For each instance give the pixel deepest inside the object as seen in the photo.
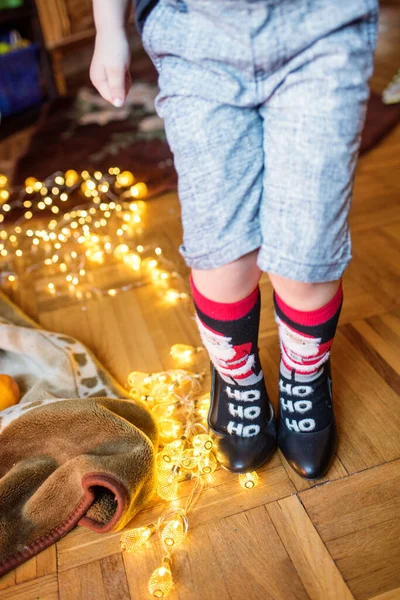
(234, 363)
(302, 360)
(306, 338)
(304, 354)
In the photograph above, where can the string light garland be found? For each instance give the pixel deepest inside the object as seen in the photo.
(176, 399)
(69, 245)
(67, 229)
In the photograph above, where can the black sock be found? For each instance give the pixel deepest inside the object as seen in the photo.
(230, 334)
(305, 379)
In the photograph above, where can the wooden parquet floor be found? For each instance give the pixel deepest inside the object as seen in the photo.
(287, 539)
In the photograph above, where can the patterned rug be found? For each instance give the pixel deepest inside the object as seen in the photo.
(85, 132)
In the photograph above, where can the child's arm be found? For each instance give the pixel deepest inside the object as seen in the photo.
(109, 70)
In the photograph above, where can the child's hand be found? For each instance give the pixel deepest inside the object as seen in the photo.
(109, 70)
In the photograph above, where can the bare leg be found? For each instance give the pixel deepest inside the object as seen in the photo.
(229, 283)
(303, 296)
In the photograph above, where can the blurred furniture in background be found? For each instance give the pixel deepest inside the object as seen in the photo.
(67, 26)
(23, 18)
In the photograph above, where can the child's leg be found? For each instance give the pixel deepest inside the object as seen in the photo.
(216, 134)
(312, 128)
(227, 301)
(307, 317)
(231, 282)
(303, 296)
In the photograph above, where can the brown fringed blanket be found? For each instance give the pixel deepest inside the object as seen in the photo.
(75, 450)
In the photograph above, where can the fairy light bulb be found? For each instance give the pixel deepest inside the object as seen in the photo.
(162, 275)
(171, 451)
(170, 429)
(139, 190)
(248, 480)
(125, 179)
(207, 463)
(165, 469)
(71, 177)
(4, 196)
(167, 487)
(30, 182)
(136, 538)
(161, 582)
(133, 261)
(139, 380)
(190, 460)
(120, 251)
(150, 263)
(3, 180)
(182, 353)
(202, 406)
(173, 296)
(202, 442)
(173, 533)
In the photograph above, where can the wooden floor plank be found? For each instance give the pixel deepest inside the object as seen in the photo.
(353, 503)
(46, 561)
(358, 518)
(390, 595)
(379, 548)
(381, 345)
(315, 567)
(82, 582)
(8, 580)
(253, 559)
(368, 410)
(376, 271)
(114, 578)
(42, 588)
(26, 571)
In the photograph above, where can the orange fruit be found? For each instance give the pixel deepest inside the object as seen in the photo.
(9, 392)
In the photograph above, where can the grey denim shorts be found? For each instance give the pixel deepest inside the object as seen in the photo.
(264, 103)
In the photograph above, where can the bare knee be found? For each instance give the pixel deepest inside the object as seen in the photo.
(231, 282)
(301, 295)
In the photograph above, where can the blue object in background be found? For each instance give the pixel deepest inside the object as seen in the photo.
(19, 80)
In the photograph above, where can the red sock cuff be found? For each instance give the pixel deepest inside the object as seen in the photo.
(313, 317)
(222, 311)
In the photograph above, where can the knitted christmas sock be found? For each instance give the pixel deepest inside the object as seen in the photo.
(229, 333)
(305, 381)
